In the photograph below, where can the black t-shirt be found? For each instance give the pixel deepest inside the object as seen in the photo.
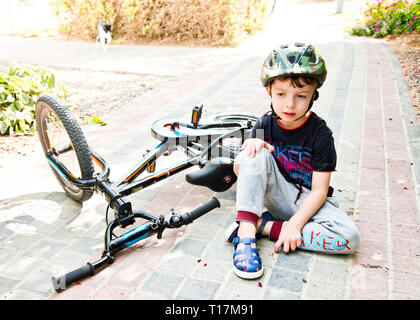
(300, 151)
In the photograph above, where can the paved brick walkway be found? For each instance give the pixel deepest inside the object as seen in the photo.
(366, 103)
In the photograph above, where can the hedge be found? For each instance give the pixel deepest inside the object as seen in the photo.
(215, 22)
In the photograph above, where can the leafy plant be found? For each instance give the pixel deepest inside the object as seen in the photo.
(382, 18)
(20, 88)
(94, 120)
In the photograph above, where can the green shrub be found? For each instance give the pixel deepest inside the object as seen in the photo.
(20, 88)
(382, 18)
(220, 22)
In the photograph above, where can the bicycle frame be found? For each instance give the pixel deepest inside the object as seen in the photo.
(113, 191)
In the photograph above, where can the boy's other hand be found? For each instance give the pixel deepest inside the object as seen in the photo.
(290, 237)
(253, 146)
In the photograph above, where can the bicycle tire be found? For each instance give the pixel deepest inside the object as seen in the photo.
(235, 116)
(232, 146)
(46, 108)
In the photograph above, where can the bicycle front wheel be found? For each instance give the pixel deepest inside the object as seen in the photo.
(60, 135)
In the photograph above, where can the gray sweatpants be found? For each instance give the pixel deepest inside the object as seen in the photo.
(260, 184)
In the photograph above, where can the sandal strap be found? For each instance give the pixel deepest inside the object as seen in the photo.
(247, 254)
(247, 251)
(248, 265)
(260, 230)
(265, 217)
(245, 241)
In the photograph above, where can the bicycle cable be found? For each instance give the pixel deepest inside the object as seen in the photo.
(106, 220)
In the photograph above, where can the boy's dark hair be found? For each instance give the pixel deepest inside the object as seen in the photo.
(297, 80)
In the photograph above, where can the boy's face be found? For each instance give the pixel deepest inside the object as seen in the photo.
(289, 102)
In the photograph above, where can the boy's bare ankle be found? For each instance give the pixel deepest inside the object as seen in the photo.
(246, 230)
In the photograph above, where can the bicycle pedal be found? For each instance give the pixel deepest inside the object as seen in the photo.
(196, 115)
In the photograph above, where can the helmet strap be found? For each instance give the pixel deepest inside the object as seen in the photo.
(315, 97)
(274, 115)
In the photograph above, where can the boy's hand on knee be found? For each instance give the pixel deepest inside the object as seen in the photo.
(253, 146)
(290, 238)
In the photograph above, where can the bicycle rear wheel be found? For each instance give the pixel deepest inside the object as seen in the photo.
(236, 117)
(230, 146)
(60, 135)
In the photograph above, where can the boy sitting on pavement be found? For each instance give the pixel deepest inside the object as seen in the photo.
(285, 167)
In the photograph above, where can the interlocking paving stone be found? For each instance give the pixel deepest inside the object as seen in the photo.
(330, 271)
(162, 284)
(198, 289)
(5, 233)
(88, 245)
(221, 251)
(296, 261)
(38, 282)
(179, 264)
(6, 284)
(325, 290)
(45, 248)
(18, 266)
(239, 289)
(202, 231)
(287, 279)
(211, 269)
(272, 293)
(191, 247)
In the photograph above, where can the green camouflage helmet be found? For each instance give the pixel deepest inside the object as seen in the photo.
(294, 59)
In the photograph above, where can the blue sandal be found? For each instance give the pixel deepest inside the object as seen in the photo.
(232, 230)
(246, 261)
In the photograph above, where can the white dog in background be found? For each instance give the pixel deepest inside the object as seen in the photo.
(103, 36)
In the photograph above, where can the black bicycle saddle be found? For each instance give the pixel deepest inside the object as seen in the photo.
(217, 175)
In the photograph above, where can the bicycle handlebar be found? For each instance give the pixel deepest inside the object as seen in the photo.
(65, 280)
(199, 211)
(132, 236)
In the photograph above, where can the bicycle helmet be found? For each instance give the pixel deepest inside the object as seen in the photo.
(294, 59)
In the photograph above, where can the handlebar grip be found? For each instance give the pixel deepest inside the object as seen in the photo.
(63, 281)
(199, 211)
